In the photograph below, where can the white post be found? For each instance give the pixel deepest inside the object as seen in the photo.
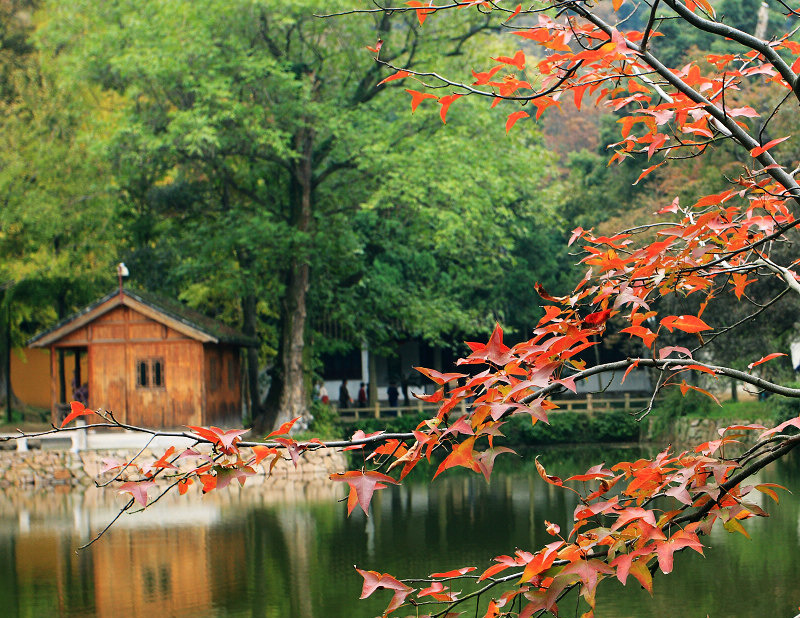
(79, 437)
(364, 363)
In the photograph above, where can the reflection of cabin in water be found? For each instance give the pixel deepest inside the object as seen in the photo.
(151, 361)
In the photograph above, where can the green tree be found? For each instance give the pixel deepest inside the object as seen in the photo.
(251, 136)
(56, 237)
(451, 205)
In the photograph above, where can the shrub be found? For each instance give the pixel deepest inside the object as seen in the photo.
(325, 423)
(785, 408)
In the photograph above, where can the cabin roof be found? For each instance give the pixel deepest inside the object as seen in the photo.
(165, 311)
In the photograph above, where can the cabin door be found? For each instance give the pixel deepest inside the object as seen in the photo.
(108, 380)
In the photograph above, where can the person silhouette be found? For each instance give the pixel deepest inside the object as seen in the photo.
(362, 396)
(344, 396)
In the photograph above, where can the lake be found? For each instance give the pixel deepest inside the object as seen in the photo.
(248, 553)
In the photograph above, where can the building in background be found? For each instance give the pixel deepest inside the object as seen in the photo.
(151, 361)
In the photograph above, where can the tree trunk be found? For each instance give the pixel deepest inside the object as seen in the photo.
(288, 396)
(7, 398)
(249, 318)
(293, 401)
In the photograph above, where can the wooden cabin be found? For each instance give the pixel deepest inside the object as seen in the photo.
(152, 362)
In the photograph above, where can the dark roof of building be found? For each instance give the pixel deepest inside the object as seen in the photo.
(196, 324)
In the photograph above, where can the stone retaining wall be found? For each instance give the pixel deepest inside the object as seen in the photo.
(62, 467)
(694, 431)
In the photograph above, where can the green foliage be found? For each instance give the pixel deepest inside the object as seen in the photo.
(250, 142)
(675, 405)
(325, 423)
(28, 418)
(573, 427)
(784, 408)
(402, 424)
(614, 426)
(57, 243)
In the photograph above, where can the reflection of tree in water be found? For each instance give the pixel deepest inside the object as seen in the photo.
(300, 536)
(256, 558)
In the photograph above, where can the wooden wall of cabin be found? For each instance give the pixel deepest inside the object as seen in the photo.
(223, 386)
(122, 339)
(178, 400)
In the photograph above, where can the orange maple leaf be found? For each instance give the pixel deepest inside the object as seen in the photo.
(462, 455)
(362, 487)
(445, 102)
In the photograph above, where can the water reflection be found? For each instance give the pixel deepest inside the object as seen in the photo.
(291, 553)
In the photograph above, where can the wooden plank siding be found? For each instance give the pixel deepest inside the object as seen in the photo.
(178, 401)
(117, 341)
(223, 379)
(108, 384)
(151, 363)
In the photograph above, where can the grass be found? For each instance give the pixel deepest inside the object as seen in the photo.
(28, 418)
(741, 410)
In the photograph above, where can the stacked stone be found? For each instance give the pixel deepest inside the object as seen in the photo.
(63, 467)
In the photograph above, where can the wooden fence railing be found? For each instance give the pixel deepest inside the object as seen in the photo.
(588, 404)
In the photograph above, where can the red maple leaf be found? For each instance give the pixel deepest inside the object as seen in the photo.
(292, 448)
(362, 486)
(446, 101)
(284, 429)
(677, 541)
(375, 581)
(686, 323)
(226, 474)
(495, 351)
(461, 456)
(260, 452)
(486, 460)
(162, 462)
(518, 61)
(585, 571)
(438, 377)
(228, 439)
(224, 440)
(418, 97)
(78, 409)
(183, 485)
(137, 489)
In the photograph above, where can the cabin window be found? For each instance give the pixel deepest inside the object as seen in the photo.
(213, 371)
(150, 373)
(231, 374)
(158, 373)
(142, 373)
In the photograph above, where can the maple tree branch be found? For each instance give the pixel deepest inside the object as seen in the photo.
(741, 37)
(389, 10)
(771, 116)
(649, 27)
(741, 136)
(306, 446)
(666, 364)
(781, 231)
(788, 8)
(108, 526)
(127, 463)
(784, 273)
(743, 474)
(745, 319)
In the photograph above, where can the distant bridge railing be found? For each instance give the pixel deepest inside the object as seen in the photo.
(588, 404)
